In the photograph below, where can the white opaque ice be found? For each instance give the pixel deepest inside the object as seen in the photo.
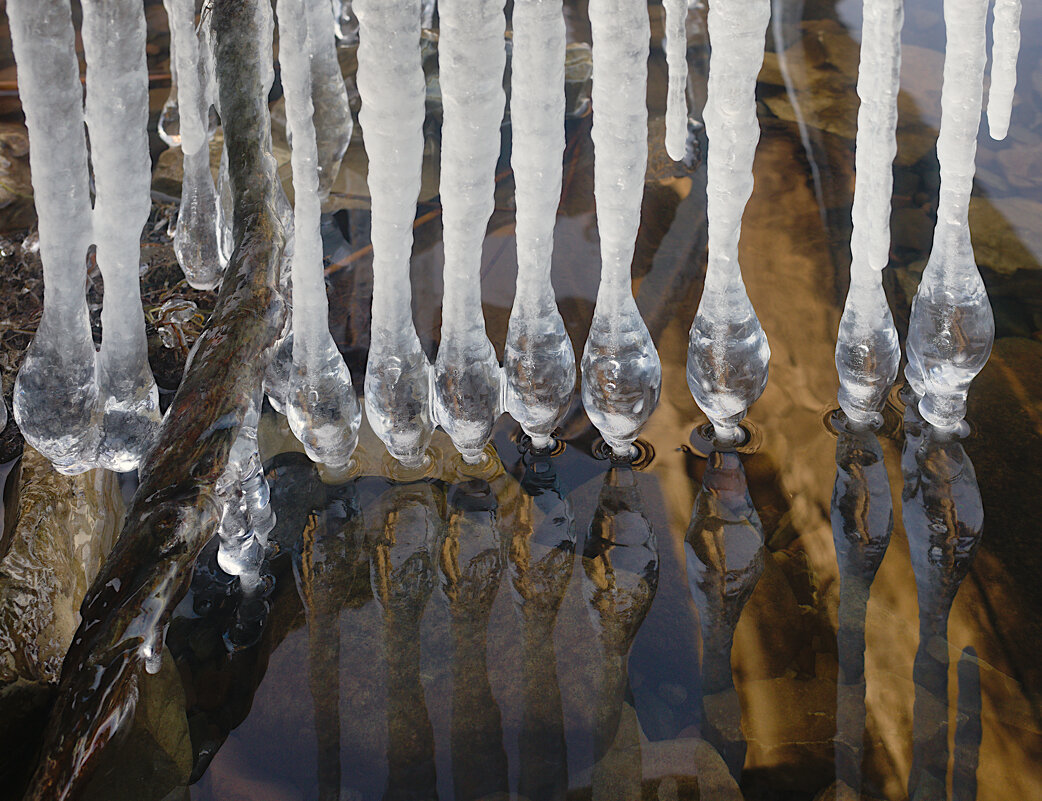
(391, 83)
(539, 363)
(621, 372)
(466, 378)
(195, 242)
(117, 122)
(1005, 51)
(55, 392)
(321, 405)
(951, 327)
(867, 348)
(676, 63)
(728, 352)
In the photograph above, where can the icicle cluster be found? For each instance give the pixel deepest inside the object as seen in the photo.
(867, 350)
(621, 373)
(728, 351)
(78, 408)
(951, 328)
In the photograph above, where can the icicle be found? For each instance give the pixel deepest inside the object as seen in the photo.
(621, 373)
(320, 402)
(867, 349)
(169, 124)
(676, 61)
(728, 352)
(345, 22)
(951, 328)
(332, 109)
(391, 84)
(466, 378)
(195, 242)
(117, 120)
(55, 392)
(539, 362)
(1004, 54)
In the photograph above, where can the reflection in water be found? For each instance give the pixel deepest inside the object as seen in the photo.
(329, 561)
(471, 561)
(541, 553)
(862, 521)
(620, 579)
(943, 518)
(402, 559)
(725, 554)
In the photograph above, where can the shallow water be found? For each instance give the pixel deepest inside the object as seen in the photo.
(549, 629)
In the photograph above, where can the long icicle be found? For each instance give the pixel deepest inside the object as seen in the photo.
(676, 63)
(867, 348)
(117, 121)
(391, 83)
(621, 372)
(56, 392)
(539, 363)
(467, 379)
(321, 405)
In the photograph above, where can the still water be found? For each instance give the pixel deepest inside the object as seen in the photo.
(821, 614)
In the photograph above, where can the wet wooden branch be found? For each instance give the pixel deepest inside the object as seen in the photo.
(174, 512)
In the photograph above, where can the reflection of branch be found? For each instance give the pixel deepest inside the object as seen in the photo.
(173, 514)
(725, 559)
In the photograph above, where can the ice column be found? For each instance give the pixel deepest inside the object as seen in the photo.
(195, 242)
(539, 362)
(55, 392)
(867, 350)
(676, 62)
(621, 373)
(1004, 52)
(466, 378)
(728, 352)
(951, 328)
(392, 87)
(117, 121)
(321, 406)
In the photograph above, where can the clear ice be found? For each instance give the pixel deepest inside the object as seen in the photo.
(117, 121)
(1005, 50)
(466, 379)
(321, 405)
(538, 360)
(332, 114)
(867, 349)
(195, 241)
(951, 328)
(55, 393)
(676, 62)
(621, 372)
(393, 91)
(728, 351)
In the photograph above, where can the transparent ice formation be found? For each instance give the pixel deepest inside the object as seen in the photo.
(392, 87)
(345, 22)
(466, 380)
(538, 360)
(169, 124)
(321, 405)
(867, 349)
(117, 120)
(1005, 50)
(951, 328)
(621, 372)
(195, 242)
(246, 515)
(676, 62)
(332, 115)
(55, 392)
(728, 351)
